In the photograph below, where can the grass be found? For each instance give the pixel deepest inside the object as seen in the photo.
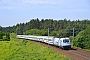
(18, 49)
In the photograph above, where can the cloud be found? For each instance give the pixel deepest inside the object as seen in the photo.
(50, 1)
(11, 4)
(40, 1)
(8, 7)
(61, 2)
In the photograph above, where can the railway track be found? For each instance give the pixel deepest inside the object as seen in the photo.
(81, 53)
(73, 53)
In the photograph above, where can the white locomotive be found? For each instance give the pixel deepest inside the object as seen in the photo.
(60, 42)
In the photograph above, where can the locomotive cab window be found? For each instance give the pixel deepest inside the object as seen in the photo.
(65, 40)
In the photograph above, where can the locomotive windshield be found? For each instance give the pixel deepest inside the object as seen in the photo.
(65, 40)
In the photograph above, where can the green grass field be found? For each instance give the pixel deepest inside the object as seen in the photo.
(18, 49)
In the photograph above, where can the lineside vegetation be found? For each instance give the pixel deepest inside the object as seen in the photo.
(18, 49)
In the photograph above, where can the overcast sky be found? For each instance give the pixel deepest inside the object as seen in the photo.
(18, 11)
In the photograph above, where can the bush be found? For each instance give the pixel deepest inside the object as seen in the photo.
(4, 36)
(24, 42)
(36, 32)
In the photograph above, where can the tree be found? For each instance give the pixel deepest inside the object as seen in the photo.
(1, 35)
(53, 33)
(0, 28)
(82, 40)
(61, 33)
(7, 36)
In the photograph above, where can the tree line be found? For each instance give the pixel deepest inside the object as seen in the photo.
(60, 27)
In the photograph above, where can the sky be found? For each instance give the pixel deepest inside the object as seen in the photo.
(19, 11)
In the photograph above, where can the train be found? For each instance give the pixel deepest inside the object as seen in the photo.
(63, 43)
